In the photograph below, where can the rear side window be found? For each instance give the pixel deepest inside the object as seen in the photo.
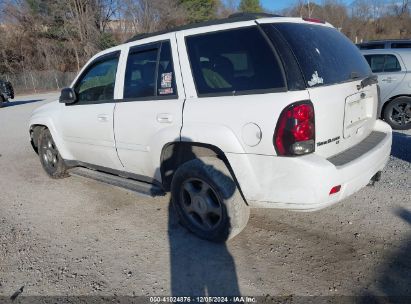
(166, 82)
(325, 55)
(401, 45)
(383, 63)
(371, 46)
(149, 72)
(233, 62)
(140, 74)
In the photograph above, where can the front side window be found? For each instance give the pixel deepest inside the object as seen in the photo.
(391, 64)
(233, 61)
(97, 83)
(376, 62)
(383, 63)
(150, 72)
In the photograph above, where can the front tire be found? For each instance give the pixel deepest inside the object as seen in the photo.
(50, 157)
(398, 113)
(207, 201)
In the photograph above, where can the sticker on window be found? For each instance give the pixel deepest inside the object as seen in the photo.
(166, 91)
(166, 80)
(315, 79)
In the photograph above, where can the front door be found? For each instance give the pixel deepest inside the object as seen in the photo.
(389, 71)
(88, 123)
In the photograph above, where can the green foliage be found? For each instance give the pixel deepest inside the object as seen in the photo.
(200, 10)
(40, 7)
(251, 6)
(106, 40)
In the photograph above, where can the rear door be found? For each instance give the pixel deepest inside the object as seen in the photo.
(332, 67)
(389, 70)
(150, 113)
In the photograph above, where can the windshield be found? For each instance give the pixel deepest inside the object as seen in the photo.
(324, 55)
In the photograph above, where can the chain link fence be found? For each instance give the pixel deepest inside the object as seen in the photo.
(39, 81)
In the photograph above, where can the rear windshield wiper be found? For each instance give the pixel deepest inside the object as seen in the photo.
(370, 80)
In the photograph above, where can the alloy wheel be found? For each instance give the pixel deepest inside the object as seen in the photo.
(401, 114)
(201, 204)
(49, 152)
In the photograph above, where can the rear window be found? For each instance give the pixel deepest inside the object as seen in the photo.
(233, 62)
(325, 55)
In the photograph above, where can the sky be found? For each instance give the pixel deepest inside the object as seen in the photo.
(280, 4)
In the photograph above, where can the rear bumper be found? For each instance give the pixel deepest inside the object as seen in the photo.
(304, 183)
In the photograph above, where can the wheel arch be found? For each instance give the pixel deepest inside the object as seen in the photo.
(35, 130)
(174, 154)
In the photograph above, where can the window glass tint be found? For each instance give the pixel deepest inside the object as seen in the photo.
(166, 84)
(401, 45)
(391, 64)
(140, 74)
(233, 61)
(325, 55)
(371, 46)
(383, 63)
(97, 84)
(376, 62)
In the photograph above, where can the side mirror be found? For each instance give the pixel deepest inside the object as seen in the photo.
(68, 96)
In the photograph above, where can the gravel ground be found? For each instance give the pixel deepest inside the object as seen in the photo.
(76, 236)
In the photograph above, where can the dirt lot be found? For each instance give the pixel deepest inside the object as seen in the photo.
(80, 237)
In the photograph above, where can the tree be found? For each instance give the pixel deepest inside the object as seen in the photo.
(251, 6)
(200, 10)
(145, 16)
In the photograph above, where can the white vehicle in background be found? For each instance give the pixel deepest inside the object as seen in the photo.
(269, 112)
(393, 67)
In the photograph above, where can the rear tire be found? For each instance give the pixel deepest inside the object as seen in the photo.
(398, 113)
(2, 101)
(50, 157)
(207, 201)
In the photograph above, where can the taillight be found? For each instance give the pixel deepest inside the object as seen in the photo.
(295, 131)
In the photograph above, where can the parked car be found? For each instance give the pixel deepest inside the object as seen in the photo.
(393, 68)
(243, 112)
(385, 44)
(6, 92)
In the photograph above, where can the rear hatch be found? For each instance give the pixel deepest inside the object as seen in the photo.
(332, 68)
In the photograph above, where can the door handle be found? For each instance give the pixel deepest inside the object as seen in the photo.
(164, 118)
(388, 79)
(102, 117)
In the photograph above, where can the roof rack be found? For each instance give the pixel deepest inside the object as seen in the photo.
(252, 16)
(237, 17)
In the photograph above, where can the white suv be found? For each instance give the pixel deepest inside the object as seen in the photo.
(244, 112)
